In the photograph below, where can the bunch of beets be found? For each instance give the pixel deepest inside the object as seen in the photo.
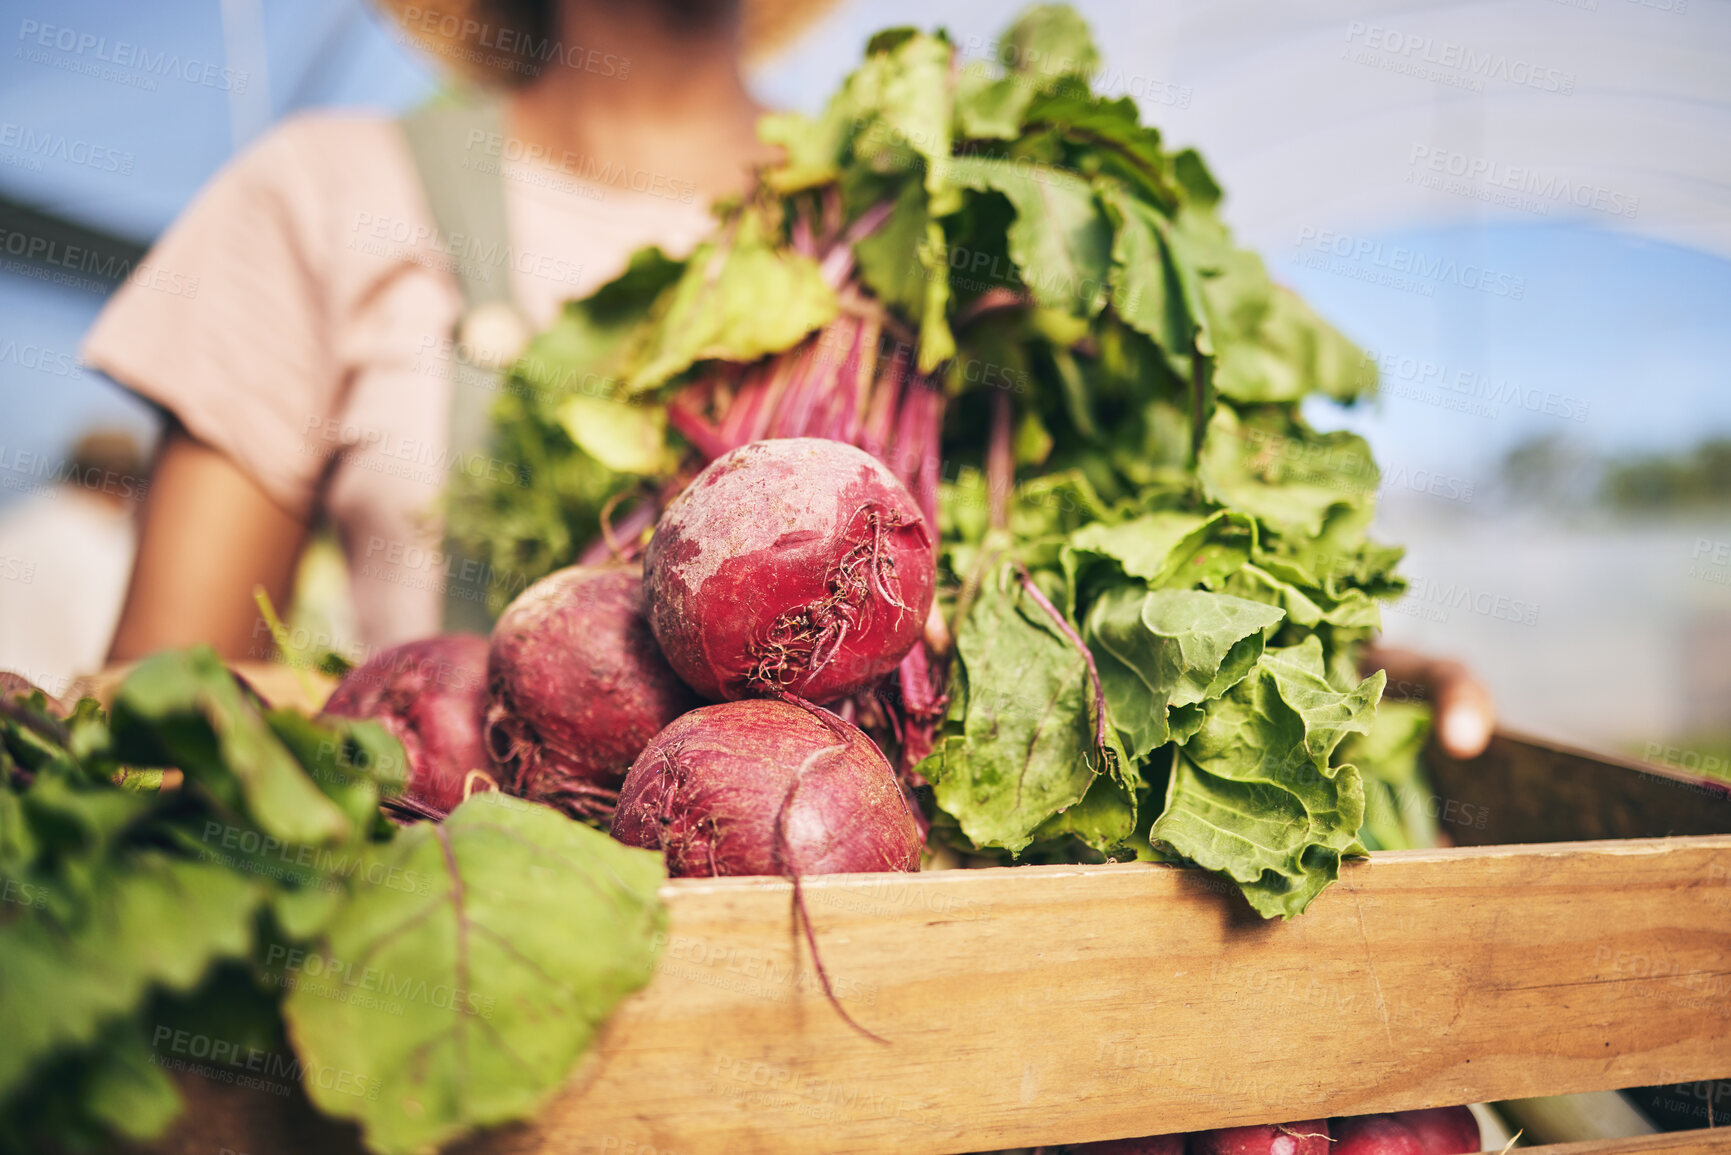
(1436, 1131)
(683, 700)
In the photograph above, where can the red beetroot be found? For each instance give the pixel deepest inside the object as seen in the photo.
(1375, 1135)
(1309, 1137)
(766, 787)
(1444, 1130)
(797, 565)
(1172, 1144)
(577, 688)
(431, 695)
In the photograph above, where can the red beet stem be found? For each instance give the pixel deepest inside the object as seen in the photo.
(746, 403)
(1000, 462)
(814, 377)
(865, 373)
(703, 436)
(926, 450)
(1087, 654)
(886, 397)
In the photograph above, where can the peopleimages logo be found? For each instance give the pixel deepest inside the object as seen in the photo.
(1406, 263)
(84, 262)
(1522, 179)
(1460, 60)
(124, 54)
(1391, 369)
(39, 146)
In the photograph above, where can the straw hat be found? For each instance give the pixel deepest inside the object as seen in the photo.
(508, 42)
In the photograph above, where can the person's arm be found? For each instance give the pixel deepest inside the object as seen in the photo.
(209, 535)
(1463, 715)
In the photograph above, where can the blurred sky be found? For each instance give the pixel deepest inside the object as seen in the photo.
(1358, 141)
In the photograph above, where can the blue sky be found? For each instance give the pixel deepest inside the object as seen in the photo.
(1634, 329)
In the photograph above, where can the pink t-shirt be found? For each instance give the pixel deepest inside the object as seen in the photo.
(298, 317)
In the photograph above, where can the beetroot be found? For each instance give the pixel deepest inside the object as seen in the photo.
(1375, 1135)
(1443, 1130)
(577, 688)
(1309, 1137)
(796, 565)
(766, 787)
(1172, 1144)
(431, 695)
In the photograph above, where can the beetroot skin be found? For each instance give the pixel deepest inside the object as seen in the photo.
(1375, 1135)
(1309, 1137)
(577, 688)
(795, 565)
(431, 695)
(766, 787)
(1443, 1130)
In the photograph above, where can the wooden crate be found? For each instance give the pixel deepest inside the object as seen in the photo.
(1062, 1004)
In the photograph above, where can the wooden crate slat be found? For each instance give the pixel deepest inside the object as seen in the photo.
(1716, 1141)
(1060, 1004)
(1524, 789)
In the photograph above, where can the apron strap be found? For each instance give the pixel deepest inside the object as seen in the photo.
(467, 197)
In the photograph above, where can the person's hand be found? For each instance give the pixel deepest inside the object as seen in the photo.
(1462, 714)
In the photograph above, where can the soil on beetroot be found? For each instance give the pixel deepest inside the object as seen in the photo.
(577, 688)
(791, 566)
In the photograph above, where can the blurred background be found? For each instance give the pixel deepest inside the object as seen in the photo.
(1520, 209)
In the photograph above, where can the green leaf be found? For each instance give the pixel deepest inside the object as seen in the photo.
(1253, 793)
(1281, 845)
(1397, 803)
(1146, 287)
(1033, 443)
(736, 300)
(1328, 715)
(889, 260)
(1060, 240)
(937, 342)
(1105, 818)
(1289, 477)
(1194, 178)
(1165, 648)
(126, 1091)
(154, 922)
(812, 148)
(1305, 602)
(903, 90)
(1111, 131)
(624, 436)
(991, 107)
(1170, 548)
(577, 353)
(509, 968)
(355, 761)
(1285, 352)
(1026, 751)
(182, 708)
(1050, 40)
